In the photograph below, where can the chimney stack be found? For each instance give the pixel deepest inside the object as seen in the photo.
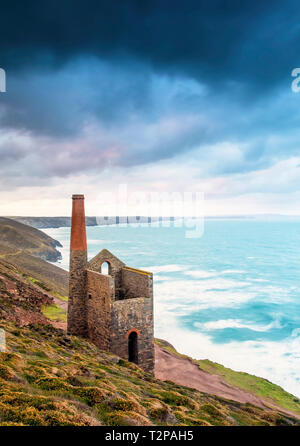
(78, 231)
(77, 323)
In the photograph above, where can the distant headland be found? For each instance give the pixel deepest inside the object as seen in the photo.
(65, 222)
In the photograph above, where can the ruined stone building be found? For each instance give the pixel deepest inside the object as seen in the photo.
(114, 310)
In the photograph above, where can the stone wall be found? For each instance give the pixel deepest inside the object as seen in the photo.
(100, 292)
(115, 267)
(106, 308)
(77, 321)
(133, 314)
(136, 283)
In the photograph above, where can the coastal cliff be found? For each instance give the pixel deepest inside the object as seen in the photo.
(20, 237)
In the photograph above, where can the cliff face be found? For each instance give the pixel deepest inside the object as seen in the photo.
(21, 237)
(36, 271)
(24, 251)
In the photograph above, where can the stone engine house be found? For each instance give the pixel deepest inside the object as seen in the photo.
(113, 310)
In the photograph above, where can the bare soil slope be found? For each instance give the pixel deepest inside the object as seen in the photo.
(182, 371)
(215, 379)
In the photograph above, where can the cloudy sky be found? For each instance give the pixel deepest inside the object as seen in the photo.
(160, 95)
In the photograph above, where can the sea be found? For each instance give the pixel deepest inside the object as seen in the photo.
(230, 294)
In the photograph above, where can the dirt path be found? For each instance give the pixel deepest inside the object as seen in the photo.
(184, 372)
(61, 303)
(64, 305)
(11, 254)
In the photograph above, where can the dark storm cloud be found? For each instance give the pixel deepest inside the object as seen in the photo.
(92, 84)
(248, 42)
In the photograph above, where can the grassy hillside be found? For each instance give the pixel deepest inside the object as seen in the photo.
(49, 378)
(22, 298)
(35, 270)
(25, 238)
(23, 249)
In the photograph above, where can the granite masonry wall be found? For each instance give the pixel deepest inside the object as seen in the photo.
(133, 315)
(100, 292)
(136, 283)
(115, 267)
(77, 317)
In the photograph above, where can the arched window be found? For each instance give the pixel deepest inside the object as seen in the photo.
(133, 347)
(105, 269)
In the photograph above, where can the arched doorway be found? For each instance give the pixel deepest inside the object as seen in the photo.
(105, 268)
(133, 347)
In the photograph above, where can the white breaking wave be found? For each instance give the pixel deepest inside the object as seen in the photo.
(166, 268)
(198, 294)
(236, 323)
(232, 271)
(199, 274)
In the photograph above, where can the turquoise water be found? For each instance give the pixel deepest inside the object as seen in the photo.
(232, 296)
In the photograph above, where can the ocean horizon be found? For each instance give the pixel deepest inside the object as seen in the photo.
(231, 295)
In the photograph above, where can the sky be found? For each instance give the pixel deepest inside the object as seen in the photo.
(161, 96)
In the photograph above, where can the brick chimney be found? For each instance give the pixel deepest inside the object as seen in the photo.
(77, 323)
(78, 231)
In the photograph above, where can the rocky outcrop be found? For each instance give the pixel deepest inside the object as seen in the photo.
(20, 301)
